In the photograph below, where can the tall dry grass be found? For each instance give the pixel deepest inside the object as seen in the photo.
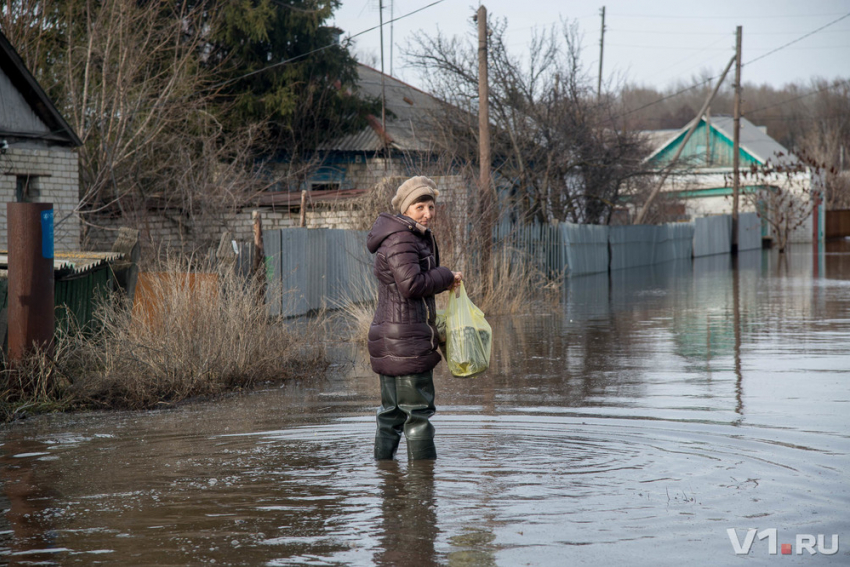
(191, 334)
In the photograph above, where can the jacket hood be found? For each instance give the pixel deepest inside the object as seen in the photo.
(387, 224)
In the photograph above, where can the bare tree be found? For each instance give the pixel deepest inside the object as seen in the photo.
(128, 76)
(785, 193)
(559, 153)
(827, 140)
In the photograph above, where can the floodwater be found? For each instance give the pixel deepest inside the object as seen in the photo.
(634, 424)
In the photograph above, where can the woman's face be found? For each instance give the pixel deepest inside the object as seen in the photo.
(423, 212)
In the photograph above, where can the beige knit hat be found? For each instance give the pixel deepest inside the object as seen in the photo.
(411, 190)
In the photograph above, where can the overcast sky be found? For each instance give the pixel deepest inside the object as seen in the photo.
(648, 42)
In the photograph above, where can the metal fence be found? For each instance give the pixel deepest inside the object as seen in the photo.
(749, 232)
(310, 269)
(674, 241)
(713, 235)
(645, 245)
(586, 248)
(326, 268)
(542, 243)
(631, 246)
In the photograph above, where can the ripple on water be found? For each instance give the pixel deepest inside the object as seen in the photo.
(551, 480)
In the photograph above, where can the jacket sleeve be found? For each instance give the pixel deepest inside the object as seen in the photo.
(412, 281)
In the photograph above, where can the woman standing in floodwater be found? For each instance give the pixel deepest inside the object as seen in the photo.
(403, 337)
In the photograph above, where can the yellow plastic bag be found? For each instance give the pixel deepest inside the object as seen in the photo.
(468, 336)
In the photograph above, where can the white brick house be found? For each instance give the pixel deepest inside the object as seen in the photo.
(38, 160)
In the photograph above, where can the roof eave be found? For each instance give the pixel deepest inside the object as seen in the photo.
(14, 67)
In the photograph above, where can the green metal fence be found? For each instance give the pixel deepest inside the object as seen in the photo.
(75, 298)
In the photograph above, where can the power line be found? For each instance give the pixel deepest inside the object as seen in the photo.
(692, 33)
(736, 17)
(667, 47)
(771, 52)
(317, 50)
(802, 37)
(830, 87)
(709, 47)
(662, 99)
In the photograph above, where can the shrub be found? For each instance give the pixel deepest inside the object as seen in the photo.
(188, 334)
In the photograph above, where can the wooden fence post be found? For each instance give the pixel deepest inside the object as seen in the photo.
(259, 265)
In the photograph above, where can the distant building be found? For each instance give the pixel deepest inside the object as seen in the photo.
(355, 162)
(347, 167)
(38, 162)
(701, 182)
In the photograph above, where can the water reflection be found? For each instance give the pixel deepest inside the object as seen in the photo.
(27, 531)
(653, 408)
(408, 523)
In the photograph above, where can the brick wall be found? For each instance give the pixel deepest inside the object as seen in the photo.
(54, 178)
(200, 234)
(164, 229)
(371, 172)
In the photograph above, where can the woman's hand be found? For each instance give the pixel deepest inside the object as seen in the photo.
(458, 278)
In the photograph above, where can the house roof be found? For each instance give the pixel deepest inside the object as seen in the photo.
(54, 128)
(753, 140)
(407, 128)
(292, 199)
(71, 264)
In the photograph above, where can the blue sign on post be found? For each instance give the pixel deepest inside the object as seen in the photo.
(47, 234)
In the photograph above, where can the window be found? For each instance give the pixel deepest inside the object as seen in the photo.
(325, 186)
(25, 188)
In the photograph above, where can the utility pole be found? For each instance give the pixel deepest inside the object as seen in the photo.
(694, 123)
(736, 143)
(708, 133)
(483, 105)
(485, 200)
(383, 89)
(601, 49)
(708, 137)
(392, 41)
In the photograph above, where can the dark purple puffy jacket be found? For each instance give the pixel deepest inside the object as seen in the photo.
(402, 337)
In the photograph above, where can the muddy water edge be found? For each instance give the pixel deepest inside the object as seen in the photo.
(635, 424)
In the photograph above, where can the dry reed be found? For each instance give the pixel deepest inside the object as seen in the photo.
(190, 335)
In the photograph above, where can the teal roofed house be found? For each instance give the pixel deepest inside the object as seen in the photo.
(702, 179)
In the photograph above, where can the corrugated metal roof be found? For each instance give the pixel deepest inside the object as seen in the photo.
(755, 141)
(657, 139)
(409, 127)
(72, 263)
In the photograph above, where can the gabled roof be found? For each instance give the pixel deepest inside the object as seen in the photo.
(406, 129)
(753, 140)
(56, 129)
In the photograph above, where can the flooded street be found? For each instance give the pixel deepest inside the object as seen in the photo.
(633, 424)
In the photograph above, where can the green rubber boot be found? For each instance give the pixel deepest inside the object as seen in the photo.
(415, 394)
(390, 420)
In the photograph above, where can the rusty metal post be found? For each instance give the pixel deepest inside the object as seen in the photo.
(259, 266)
(31, 316)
